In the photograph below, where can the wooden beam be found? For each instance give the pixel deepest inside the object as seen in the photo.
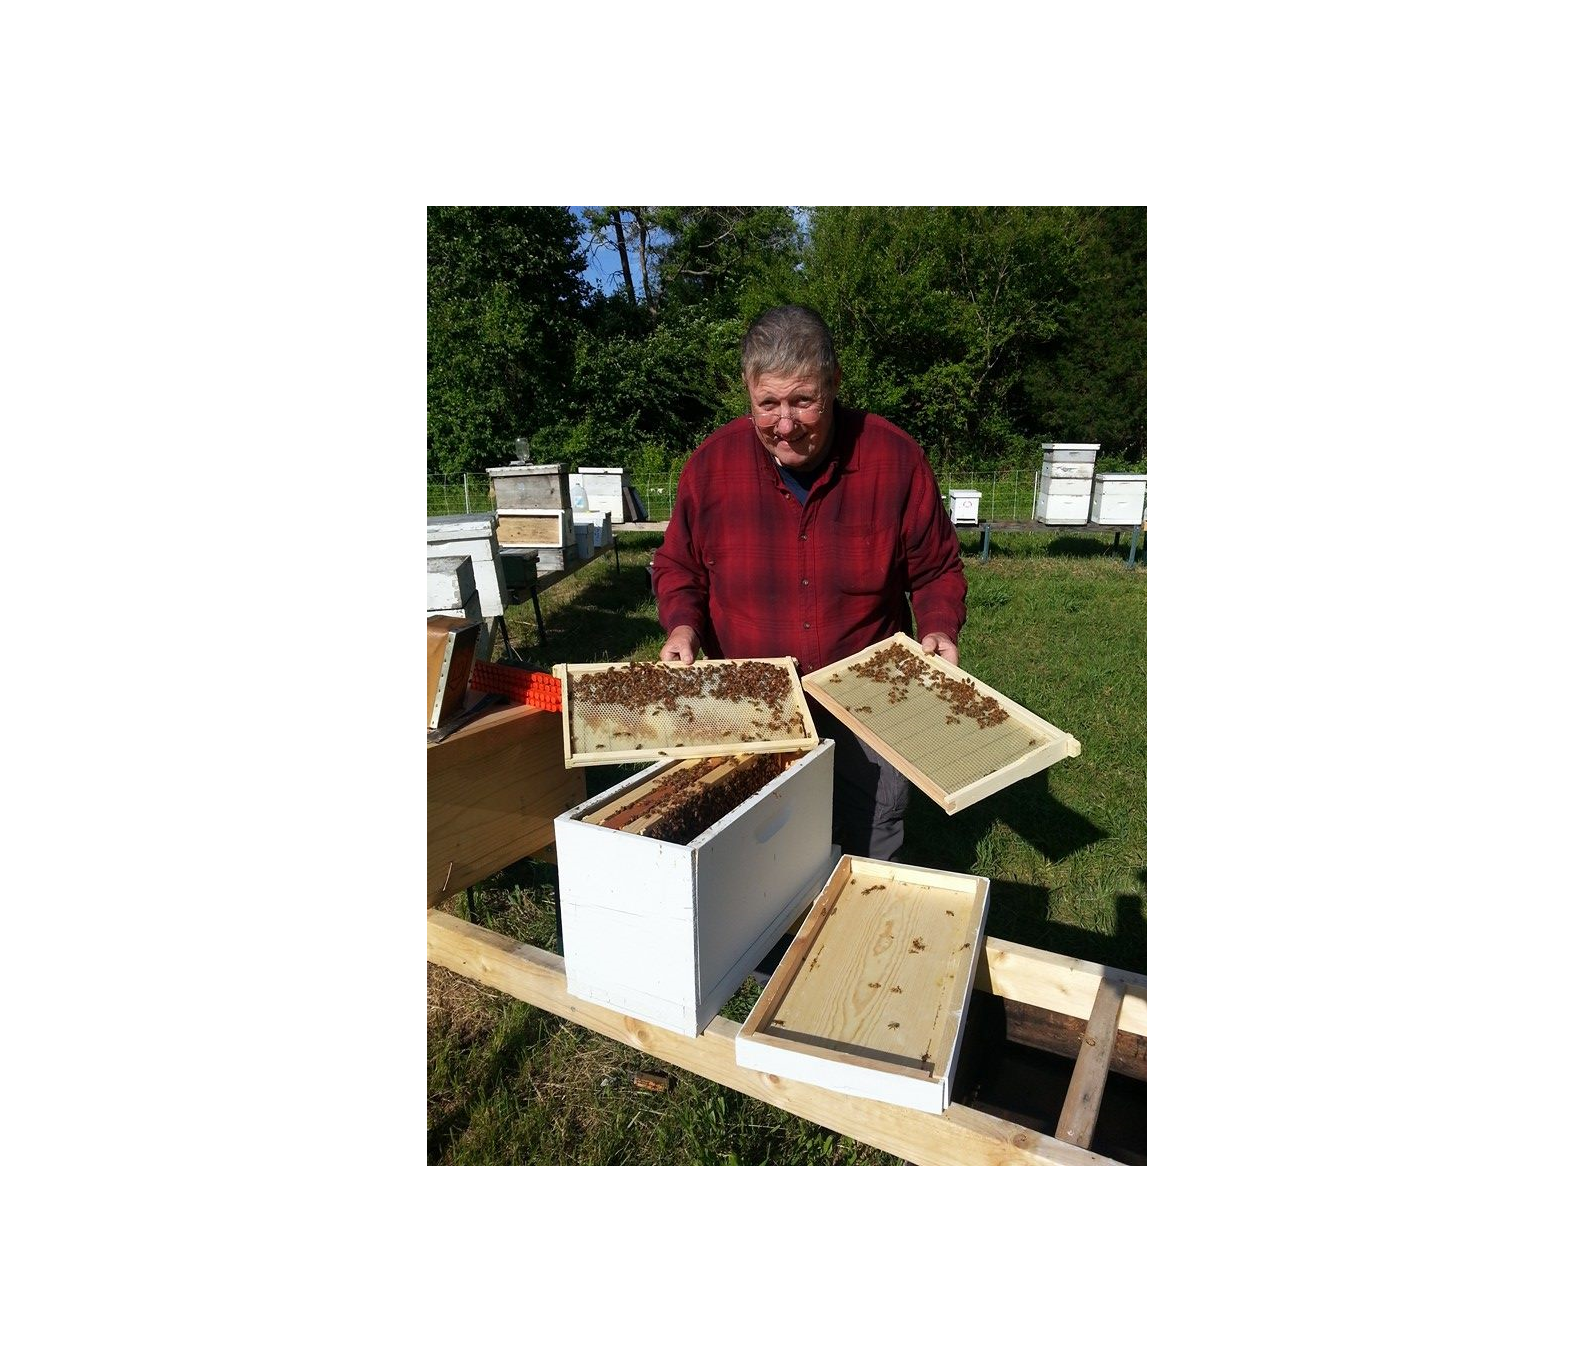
(1052, 1032)
(1081, 1111)
(961, 1136)
(1054, 982)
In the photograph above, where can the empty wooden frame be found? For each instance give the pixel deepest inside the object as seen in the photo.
(871, 996)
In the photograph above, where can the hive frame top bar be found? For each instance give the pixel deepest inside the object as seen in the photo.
(697, 723)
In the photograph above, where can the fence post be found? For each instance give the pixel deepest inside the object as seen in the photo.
(465, 478)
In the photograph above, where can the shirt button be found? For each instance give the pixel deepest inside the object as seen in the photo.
(804, 582)
(806, 624)
(802, 537)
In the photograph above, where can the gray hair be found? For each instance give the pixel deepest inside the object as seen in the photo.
(791, 340)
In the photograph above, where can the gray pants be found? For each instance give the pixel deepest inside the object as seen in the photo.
(868, 795)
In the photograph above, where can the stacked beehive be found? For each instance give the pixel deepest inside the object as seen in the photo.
(1066, 483)
(534, 512)
(464, 571)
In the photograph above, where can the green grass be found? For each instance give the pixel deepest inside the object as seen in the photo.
(1058, 622)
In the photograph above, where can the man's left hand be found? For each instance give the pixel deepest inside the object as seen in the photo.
(941, 645)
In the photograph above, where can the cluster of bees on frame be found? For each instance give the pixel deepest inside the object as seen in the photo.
(899, 671)
(641, 686)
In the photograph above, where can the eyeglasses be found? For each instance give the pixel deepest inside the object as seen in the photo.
(770, 411)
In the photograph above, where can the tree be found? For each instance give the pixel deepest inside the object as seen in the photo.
(504, 297)
(1090, 383)
(934, 309)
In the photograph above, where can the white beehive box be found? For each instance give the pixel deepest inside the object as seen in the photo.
(1066, 483)
(448, 528)
(474, 536)
(450, 584)
(604, 490)
(667, 932)
(965, 506)
(1059, 508)
(1119, 498)
(1078, 456)
(485, 567)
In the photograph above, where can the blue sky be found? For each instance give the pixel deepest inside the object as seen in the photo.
(602, 269)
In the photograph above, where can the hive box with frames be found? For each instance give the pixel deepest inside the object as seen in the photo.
(663, 922)
(675, 883)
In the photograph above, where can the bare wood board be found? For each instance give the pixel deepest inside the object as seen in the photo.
(916, 714)
(875, 984)
(681, 710)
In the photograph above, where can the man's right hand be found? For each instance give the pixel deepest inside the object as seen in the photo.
(683, 645)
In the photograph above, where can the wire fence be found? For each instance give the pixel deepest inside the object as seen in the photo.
(1004, 497)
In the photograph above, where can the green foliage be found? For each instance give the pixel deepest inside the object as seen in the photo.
(504, 296)
(1091, 385)
(983, 331)
(737, 260)
(934, 310)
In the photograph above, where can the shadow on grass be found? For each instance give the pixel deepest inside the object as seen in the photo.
(1023, 912)
(1083, 543)
(605, 617)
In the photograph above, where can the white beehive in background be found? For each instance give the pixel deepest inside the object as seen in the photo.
(965, 506)
(603, 490)
(1119, 498)
(1066, 483)
(474, 536)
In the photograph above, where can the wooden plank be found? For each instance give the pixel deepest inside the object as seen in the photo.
(1056, 982)
(959, 1137)
(928, 737)
(1081, 1111)
(1052, 1032)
